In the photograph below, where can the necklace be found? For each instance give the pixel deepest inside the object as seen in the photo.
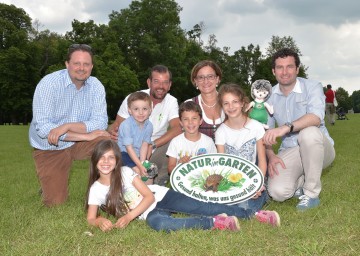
(208, 105)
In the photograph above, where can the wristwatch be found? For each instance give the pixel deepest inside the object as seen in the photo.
(290, 125)
(153, 145)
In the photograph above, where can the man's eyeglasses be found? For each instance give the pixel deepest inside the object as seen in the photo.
(208, 77)
(80, 46)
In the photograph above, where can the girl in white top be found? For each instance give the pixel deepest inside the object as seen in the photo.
(238, 134)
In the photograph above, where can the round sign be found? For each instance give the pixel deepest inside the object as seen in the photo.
(217, 178)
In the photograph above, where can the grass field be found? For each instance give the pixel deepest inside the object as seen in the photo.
(28, 228)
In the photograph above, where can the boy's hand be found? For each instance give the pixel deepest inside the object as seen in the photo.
(143, 171)
(184, 159)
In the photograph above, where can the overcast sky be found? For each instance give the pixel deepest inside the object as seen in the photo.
(327, 32)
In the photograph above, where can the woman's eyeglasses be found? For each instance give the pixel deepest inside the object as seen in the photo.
(208, 77)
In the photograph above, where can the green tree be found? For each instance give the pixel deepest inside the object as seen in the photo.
(278, 43)
(221, 57)
(15, 74)
(263, 71)
(246, 61)
(355, 96)
(117, 78)
(149, 33)
(14, 85)
(196, 33)
(48, 49)
(15, 26)
(97, 36)
(343, 99)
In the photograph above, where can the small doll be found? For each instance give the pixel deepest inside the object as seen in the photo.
(260, 92)
(151, 168)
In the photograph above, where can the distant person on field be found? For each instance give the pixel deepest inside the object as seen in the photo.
(191, 142)
(69, 118)
(164, 118)
(330, 107)
(135, 133)
(306, 147)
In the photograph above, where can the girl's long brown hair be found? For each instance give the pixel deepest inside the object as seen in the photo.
(115, 203)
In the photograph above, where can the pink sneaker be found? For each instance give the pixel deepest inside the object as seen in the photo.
(270, 217)
(222, 221)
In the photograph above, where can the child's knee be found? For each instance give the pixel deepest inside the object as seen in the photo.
(154, 221)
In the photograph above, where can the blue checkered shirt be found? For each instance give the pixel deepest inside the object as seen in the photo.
(57, 101)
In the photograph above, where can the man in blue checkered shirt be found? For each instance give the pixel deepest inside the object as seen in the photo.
(69, 118)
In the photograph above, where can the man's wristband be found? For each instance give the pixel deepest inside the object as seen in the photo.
(290, 125)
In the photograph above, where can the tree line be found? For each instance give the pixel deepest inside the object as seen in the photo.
(136, 38)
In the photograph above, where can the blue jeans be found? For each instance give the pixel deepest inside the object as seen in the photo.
(255, 205)
(126, 160)
(174, 202)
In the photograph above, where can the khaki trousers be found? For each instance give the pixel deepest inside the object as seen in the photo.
(304, 165)
(330, 112)
(53, 169)
(161, 160)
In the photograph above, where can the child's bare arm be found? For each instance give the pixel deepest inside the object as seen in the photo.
(144, 151)
(146, 202)
(94, 220)
(130, 150)
(220, 148)
(171, 164)
(262, 164)
(261, 156)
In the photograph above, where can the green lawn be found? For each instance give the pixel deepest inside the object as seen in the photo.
(28, 228)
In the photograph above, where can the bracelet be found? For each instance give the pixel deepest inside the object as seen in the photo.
(290, 125)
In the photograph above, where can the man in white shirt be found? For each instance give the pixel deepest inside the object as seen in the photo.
(164, 118)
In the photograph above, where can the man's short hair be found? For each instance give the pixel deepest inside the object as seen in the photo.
(79, 47)
(283, 53)
(160, 69)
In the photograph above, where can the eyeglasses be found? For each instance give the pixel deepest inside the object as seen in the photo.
(157, 82)
(208, 77)
(80, 46)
